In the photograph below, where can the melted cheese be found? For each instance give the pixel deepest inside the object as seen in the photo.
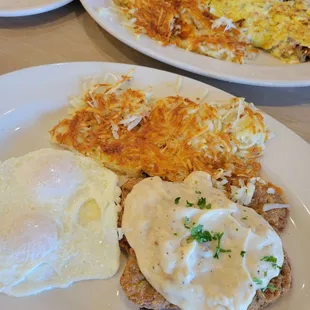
(186, 272)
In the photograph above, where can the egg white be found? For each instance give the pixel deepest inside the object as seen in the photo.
(58, 221)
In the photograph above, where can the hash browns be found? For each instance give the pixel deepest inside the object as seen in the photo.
(185, 24)
(171, 137)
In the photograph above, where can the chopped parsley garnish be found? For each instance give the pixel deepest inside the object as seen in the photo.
(202, 203)
(224, 251)
(177, 200)
(189, 204)
(270, 287)
(242, 253)
(272, 260)
(218, 237)
(198, 192)
(186, 222)
(257, 281)
(245, 218)
(175, 234)
(200, 235)
(265, 274)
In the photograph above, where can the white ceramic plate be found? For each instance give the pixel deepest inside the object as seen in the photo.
(265, 70)
(14, 8)
(34, 100)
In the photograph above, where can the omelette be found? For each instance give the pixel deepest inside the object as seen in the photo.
(281, 28)
(225, 29)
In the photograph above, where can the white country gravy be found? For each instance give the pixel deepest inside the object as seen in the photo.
(196, 247)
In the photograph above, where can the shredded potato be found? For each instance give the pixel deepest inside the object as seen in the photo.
(223, 29)
(186, 24)
(131, 133)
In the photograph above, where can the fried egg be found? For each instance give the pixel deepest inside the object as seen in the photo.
(58, 222)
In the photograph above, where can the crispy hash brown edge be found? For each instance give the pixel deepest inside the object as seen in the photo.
(140, 291)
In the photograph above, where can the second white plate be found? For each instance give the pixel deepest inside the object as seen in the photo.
(265, 70)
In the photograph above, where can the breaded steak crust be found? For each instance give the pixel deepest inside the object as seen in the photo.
(277, 217)
(140, 291)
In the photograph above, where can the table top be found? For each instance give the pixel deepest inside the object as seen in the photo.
(70, 34)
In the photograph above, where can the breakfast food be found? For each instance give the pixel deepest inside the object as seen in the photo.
(227, 30)
(200, 224)
(140, 291)
(58, 221)
(186, 25)
(131, 133)
(280, 27)
(176, 253)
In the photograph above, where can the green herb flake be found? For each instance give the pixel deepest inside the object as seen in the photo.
(186, 222)
(225, 251)
(271, 259)
(265, 274)
(198, 192)
(200, 235)
(202, 203)
(218, 237)
(257, 281)
(242, 253)
(175, 234)
(177, 200)
(189, 204)
(245, 218)
(270, 287)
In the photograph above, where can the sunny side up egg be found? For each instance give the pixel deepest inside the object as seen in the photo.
(58, 222)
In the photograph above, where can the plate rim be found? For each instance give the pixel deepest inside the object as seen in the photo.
(34, 10)
(248, 77)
